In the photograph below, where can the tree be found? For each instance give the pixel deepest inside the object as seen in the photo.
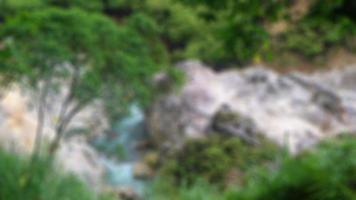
(238, 28)
(87, 53)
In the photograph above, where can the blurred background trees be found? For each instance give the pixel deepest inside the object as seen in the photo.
(110, 49)
(230, 32)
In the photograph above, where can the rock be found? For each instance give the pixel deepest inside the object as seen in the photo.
(143, 145)
(18, 127)
(127, 193)
(17, 124)
(77, 157)
(295, 110)
(122, 193)
(230, 123)
(323, 97)
(186, 115)
(142, 171)
(329, 102)
(151, 159)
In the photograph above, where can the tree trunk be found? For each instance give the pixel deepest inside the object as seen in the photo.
(40, 119)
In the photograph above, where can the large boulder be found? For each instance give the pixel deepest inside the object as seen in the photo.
(142, 171)
(295, 110)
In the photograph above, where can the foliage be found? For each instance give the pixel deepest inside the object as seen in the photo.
(10, 7)
(238, 29)
(324, 173)
(163, 189)
(224, 32)
(179, 24)
(13, 6)
(240, 26)
(213, 158)
(327, 24)
(92, 5)
(327, 173)
(21, 180)
(99, 58)
(91, 42)
(230, 32)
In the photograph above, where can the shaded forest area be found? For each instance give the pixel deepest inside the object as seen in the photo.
(229, 33)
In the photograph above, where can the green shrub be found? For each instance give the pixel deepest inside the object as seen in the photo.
(21, 180)
(327, 24)
(327, 173)
(92, 5)
(213, 158)
(222, 33)
(163, 189)
(10, 7)
(235, 32)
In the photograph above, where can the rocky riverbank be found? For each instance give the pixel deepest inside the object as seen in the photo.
(296, 110)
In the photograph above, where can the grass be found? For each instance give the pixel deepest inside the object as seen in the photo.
(20, 180)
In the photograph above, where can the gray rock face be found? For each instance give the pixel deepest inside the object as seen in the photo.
(230, 123)
(18, 130)
(295, 110)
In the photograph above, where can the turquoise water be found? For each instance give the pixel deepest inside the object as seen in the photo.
(126, 133)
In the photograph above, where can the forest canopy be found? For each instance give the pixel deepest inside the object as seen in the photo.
(225, 33)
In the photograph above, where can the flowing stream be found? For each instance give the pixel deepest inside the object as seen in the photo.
(125, 135)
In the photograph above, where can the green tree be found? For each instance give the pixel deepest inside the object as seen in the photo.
(237, 28)
(87, 53)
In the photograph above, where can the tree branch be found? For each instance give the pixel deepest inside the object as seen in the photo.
(70, 96)
(60, 130)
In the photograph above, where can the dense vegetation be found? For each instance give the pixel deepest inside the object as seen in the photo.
(218, 160)
(324, 173)
(21, 180)
(227, 32)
